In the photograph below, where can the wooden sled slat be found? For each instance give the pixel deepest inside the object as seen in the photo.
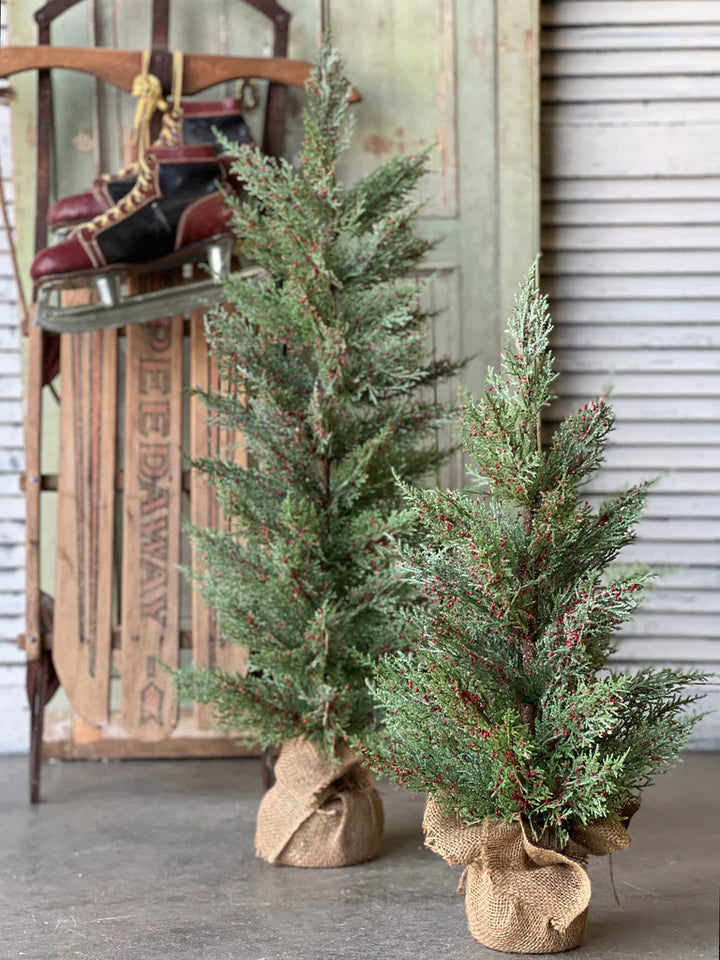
(209, 647)
(150, 613)
(82, 632)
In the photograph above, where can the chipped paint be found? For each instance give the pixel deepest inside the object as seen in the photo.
(128, 147)
(84, 140)
(378, 145)
(478, 46)
(31, 136)
(445, 97)
(381, 146)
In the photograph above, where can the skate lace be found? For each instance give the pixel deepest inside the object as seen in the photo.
(142, 190)
(148, 89)
(169, 136)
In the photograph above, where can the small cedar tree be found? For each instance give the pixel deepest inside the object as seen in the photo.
(505, 709)
(326, 374)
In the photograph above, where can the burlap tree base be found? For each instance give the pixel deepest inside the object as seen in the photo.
(319, 813)
(520, 897)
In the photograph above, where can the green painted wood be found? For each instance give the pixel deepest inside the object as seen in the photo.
(461, 76)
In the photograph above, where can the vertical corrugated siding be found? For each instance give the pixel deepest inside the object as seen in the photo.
(631, 244)
(13, 703)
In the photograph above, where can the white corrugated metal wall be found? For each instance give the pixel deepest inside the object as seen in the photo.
(631, 243)
(14, 724)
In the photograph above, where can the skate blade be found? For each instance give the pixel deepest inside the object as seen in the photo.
(219, 257)
(140, 308)
(107, 287)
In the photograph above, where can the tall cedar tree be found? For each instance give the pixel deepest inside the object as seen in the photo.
(324, 359)
(505, 711)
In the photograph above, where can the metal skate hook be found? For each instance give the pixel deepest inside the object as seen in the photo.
(107, 287)
(219, 256)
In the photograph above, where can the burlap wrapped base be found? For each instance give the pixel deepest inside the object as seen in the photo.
(520, 897)
(319, 813)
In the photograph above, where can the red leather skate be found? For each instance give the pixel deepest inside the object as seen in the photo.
(173, 214)
(191, 125)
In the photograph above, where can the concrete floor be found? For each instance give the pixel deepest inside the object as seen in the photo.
(154, 861)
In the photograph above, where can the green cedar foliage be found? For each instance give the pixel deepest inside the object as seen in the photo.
(505, 711)
(329, 380)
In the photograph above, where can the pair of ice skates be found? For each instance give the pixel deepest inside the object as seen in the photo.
(167, 210)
